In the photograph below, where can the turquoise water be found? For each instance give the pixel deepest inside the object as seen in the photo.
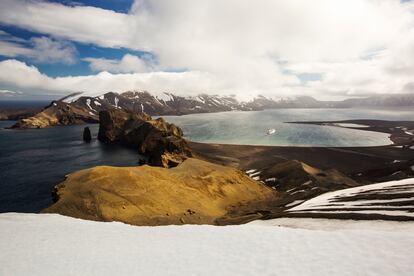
(250, 127)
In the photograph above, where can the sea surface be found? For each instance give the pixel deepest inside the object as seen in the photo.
(33, 161)
(4, 105)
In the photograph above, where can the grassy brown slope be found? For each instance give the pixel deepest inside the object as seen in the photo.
(195, 192)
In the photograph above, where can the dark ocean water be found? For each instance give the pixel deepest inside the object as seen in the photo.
(33, 161)
(22, 104)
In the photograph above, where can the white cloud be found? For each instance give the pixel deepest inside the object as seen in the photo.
(9, 94)
(5, 91)
(47, 50)
(17, 74)
(235, 46)
(128, 64)
(11, 49)
(39, 49)
(78, 23)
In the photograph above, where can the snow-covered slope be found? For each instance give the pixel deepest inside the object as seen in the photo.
(162, 104)
(56, 245)
(392, 200)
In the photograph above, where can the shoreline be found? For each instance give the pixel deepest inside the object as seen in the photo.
(401, 132)
(402, 143)
(364, 165)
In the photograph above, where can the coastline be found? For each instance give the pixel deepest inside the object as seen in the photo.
(370, 157)
(364, 165)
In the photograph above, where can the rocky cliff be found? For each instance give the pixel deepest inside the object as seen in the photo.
(58, 113)
(158, 140)
(196, 192)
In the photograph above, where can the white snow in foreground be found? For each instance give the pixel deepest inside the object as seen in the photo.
(46, 244)
(329, 200)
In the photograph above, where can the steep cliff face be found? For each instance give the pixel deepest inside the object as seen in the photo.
(196, 192)
(160, 141)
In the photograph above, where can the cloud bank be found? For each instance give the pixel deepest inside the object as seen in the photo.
(39, 49)
(128, 64)
(357, 47)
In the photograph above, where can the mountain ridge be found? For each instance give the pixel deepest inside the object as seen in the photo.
(79, 107)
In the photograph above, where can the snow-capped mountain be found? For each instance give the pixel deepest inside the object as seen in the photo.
(172, 104)
(85, 107)
(167, 104)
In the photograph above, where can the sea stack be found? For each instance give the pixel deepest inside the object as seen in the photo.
(87, 137)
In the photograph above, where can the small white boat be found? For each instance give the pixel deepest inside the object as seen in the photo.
(270, 131)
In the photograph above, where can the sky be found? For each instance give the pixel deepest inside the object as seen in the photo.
(328, 49)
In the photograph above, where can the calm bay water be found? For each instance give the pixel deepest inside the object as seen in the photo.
(250, 127)
(33, 161)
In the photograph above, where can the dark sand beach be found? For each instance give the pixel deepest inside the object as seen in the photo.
(364, 165)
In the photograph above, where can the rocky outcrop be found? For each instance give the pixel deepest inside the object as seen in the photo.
(87, 137)
(58, 113)
(160, 141)
(196, 192)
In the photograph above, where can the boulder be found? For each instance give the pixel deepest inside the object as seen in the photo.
(160, 141)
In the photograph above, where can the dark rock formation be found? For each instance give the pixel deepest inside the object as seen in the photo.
(160, 141)
(58, 113)
(87, 137)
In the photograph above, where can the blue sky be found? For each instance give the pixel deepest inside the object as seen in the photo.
(83, 50)
(122, 6)
(329, 49)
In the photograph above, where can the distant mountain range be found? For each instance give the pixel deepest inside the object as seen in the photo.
(171, 104)
(80, 107)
